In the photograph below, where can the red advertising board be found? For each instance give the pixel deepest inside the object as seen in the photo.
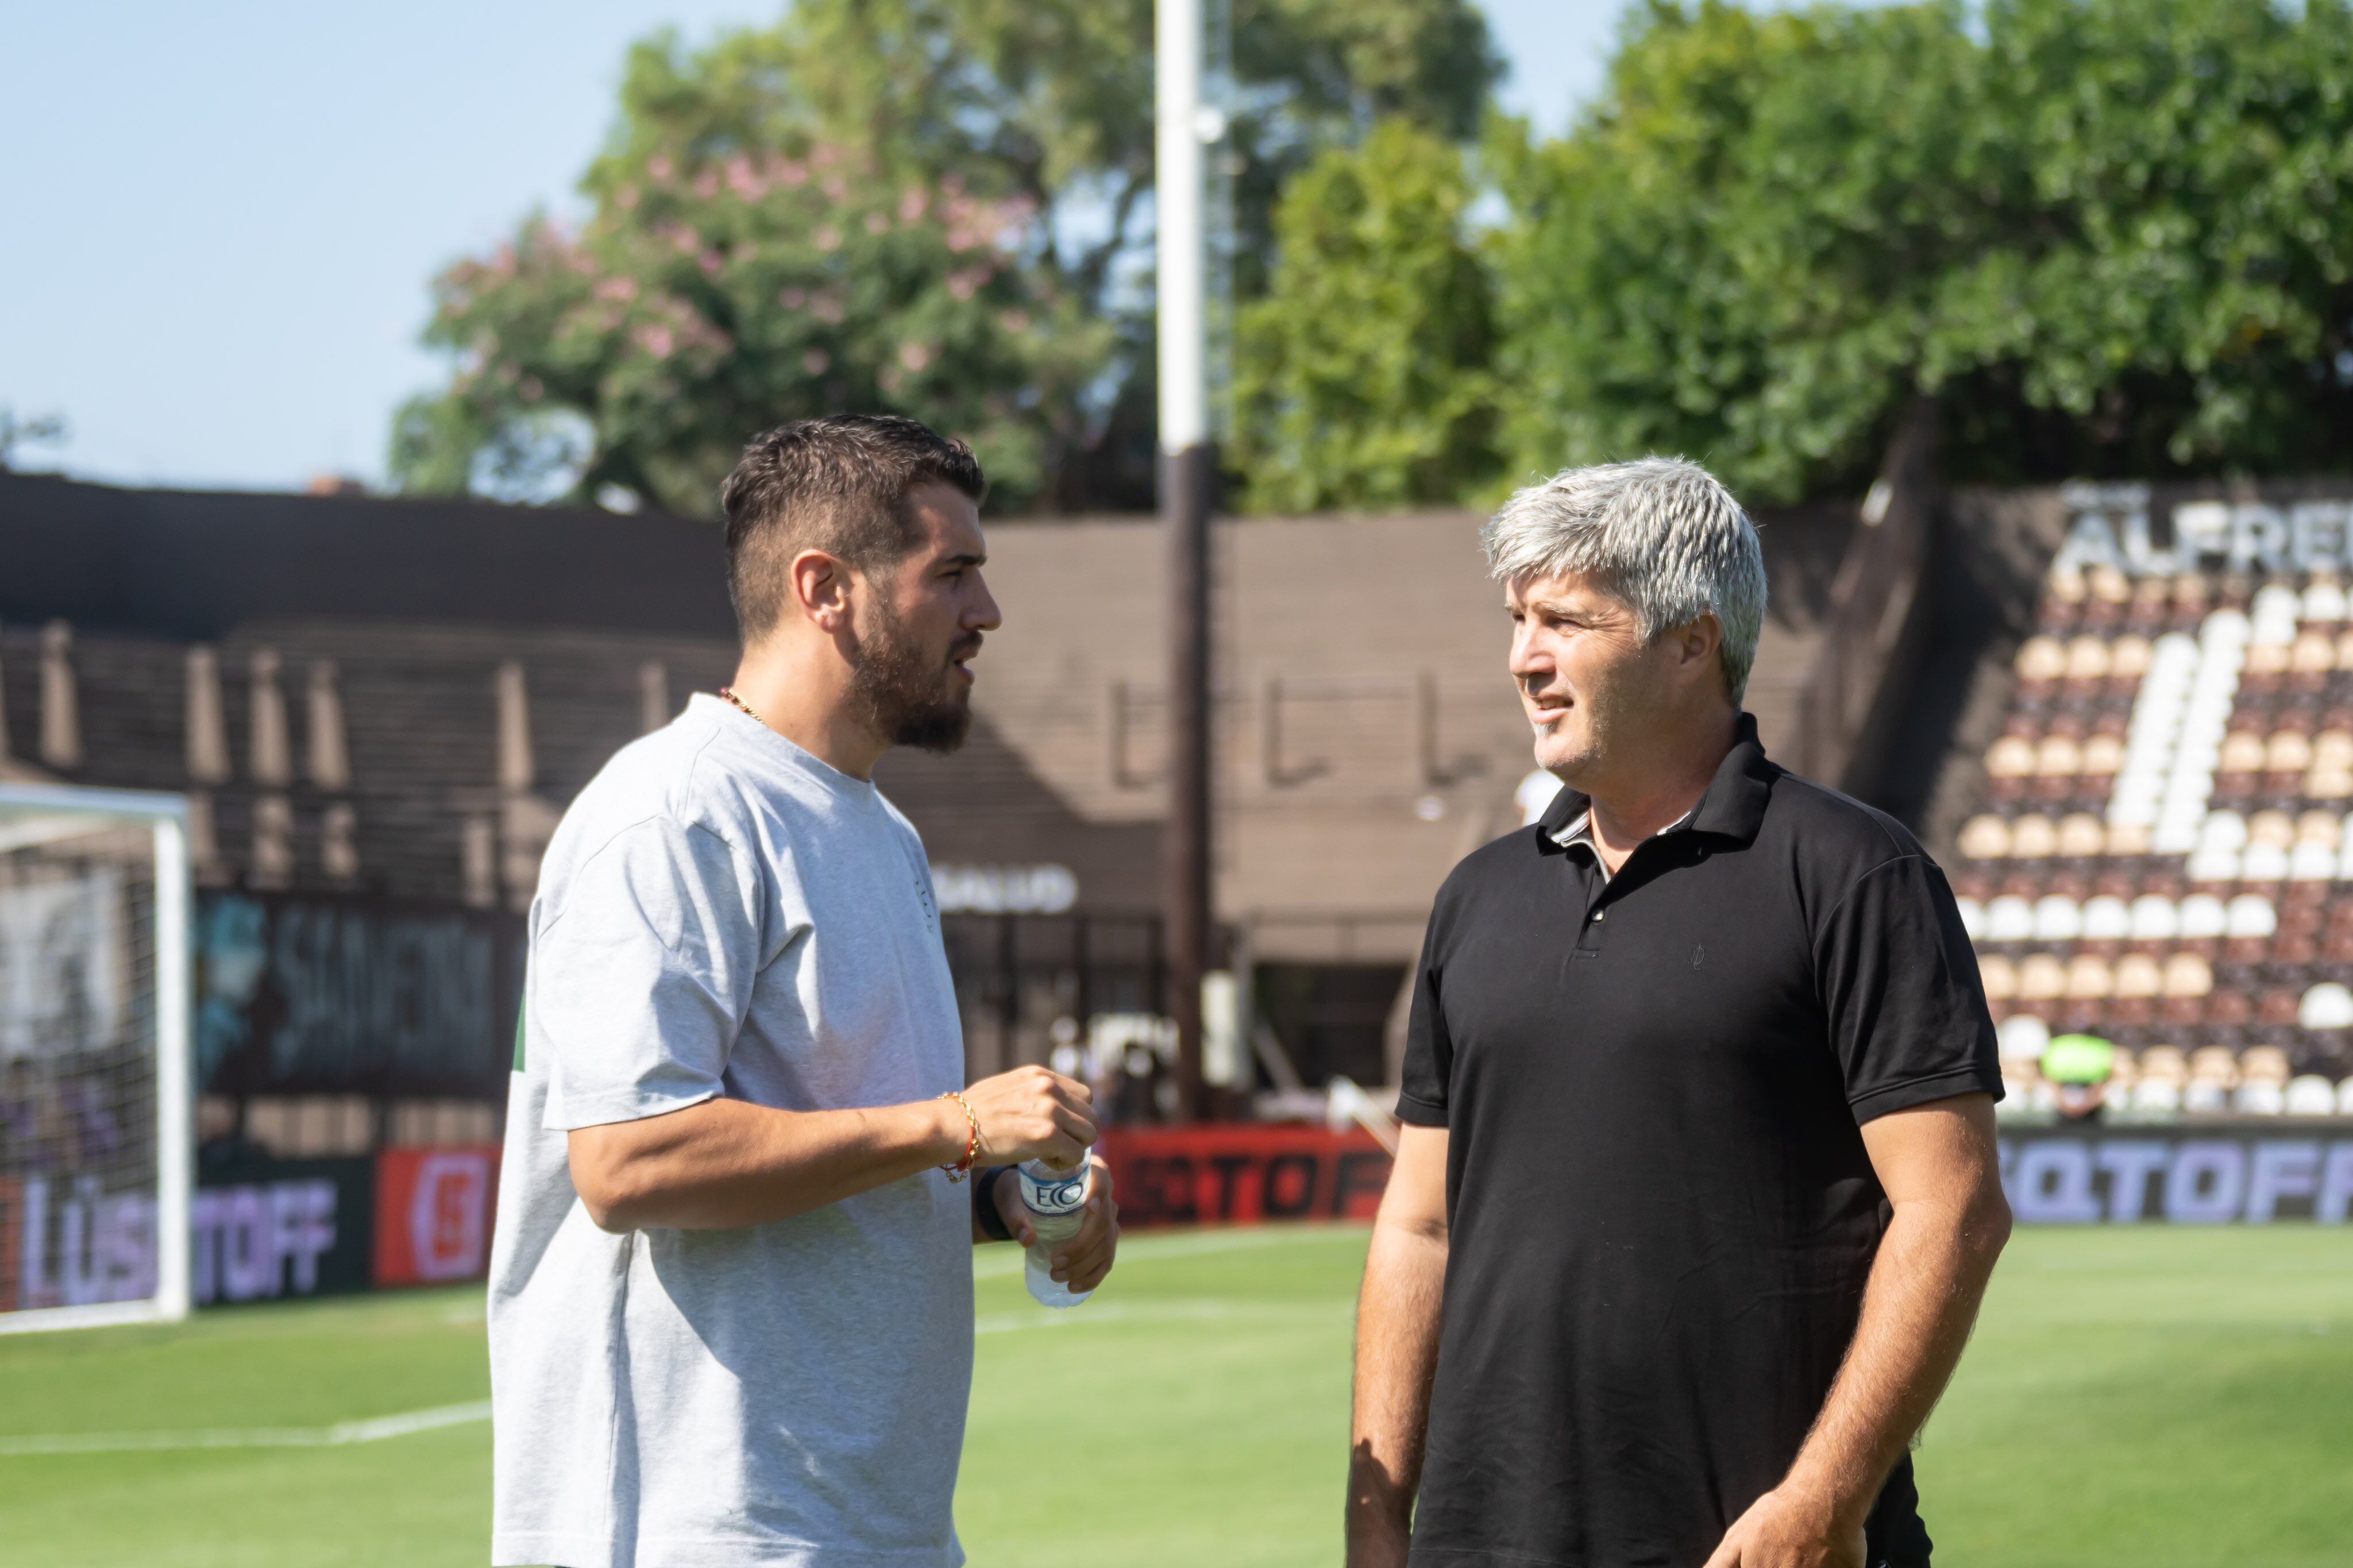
(433, 1209)
(1243, 1173)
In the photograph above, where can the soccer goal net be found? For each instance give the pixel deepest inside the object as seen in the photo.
(95, 1119)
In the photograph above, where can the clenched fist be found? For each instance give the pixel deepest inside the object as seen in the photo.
(1032, 1113)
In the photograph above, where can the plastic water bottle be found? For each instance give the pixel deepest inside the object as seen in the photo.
(1057, 1201)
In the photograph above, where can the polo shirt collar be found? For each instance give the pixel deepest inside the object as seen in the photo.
(1732, 808)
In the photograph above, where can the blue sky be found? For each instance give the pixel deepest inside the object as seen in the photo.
(220, 220)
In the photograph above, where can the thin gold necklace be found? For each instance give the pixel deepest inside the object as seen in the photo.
(729, 693)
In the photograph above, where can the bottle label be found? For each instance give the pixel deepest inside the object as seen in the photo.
(1054, 1194)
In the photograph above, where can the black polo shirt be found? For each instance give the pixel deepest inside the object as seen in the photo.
(1662, 1213)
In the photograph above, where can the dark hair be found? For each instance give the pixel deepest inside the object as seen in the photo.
(837, 484)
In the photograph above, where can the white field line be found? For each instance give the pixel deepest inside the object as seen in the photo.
(371, 1431)
(999, 1262)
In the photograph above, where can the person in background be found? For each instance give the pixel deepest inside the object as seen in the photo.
(1697, 1191)
(2078, 1068)
(731, 1308)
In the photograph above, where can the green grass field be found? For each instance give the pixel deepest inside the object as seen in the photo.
(2143, 1398)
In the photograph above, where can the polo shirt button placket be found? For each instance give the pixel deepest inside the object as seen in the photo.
(1588, 936)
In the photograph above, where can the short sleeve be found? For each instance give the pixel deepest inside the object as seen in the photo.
(1428, 1050)
(641, 981)
(1899, 982)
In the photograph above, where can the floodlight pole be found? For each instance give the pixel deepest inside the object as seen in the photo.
(1186, 474)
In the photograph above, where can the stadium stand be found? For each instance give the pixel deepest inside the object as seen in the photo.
(2162, 855)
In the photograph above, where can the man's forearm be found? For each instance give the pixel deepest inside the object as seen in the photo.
(1918, 1308)
(727, 1162)
(1396, 1352)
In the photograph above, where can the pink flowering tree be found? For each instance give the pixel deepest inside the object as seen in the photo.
(936, 207)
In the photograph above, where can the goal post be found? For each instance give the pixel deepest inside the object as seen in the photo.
(96, 1071)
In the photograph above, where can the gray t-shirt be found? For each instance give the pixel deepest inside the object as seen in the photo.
(723, 914)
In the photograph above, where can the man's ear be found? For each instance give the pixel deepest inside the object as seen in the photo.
(1700, 644)
(821, 584)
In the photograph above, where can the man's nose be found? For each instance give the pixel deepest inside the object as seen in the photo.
(1525, 658)
(983, 615)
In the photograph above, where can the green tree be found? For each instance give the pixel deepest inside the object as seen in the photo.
(939, 207)
(1361, 379)
(2115, 236)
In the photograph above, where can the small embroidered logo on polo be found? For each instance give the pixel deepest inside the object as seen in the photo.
(1699, 956)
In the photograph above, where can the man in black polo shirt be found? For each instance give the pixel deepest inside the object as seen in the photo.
(1699, 1090)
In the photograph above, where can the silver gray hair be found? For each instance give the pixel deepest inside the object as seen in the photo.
(1664, 536)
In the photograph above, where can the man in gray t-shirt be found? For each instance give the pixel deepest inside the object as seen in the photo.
(731, 1295)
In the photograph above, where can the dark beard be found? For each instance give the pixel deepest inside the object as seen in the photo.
(905, 695)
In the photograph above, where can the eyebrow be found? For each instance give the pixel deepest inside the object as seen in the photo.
(967, 559)
(1561, 608)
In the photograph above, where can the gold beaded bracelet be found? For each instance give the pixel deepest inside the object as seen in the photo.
(962, 1168)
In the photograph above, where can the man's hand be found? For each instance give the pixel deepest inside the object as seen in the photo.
(1939, 1166)
(1786, 1528)
(1030, 1113)
(1083, 1260)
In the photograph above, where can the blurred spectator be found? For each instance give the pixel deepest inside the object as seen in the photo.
(2079, 1067)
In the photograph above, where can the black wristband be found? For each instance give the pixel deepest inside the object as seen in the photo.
(984, 1203)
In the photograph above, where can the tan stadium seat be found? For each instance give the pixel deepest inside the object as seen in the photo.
(1999, 977)
(1985, 837)
(2263, 1063)
(2011, 757)
(2057, 758)
(2187, 974)
(2033, 837)
(2090, 978)
(2218, 1063)
(2041, 978)
(2082, 835)
(2043, 658)
(2138, 976)
(2088, 659)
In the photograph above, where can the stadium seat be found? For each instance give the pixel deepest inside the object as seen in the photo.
(2263, 1064)
(2310, 1095)
(2259, 1097)
(2022, 1040)
(2327, 1006)
(2214, 1064)
(2205, 1097)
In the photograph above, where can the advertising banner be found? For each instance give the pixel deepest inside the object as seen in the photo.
(2125, 1176)
(346, 993)
(265, 1229)
(433, 1209)
(1242, 1174)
